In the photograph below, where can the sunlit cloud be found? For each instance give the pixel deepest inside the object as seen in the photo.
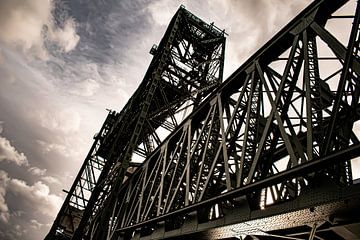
(33, 203)
(8, 153)
(51, 180)
(4, 209)
(37, 194)
(65, 120)
(86, 88)
(27, 24)
(37, 171)
(66, 37)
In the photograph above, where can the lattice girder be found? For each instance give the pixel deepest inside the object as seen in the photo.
(263, 122)
(187, 65)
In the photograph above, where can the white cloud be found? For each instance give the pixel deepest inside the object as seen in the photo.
(38, 225)
(65, 120)
(35, 224)
(250, 24)
(22, 24)
(166, 11)
(37, 195)
(4, 209)
(37, 171)
(53, 147)
(65, 37)
(25, 207)
(8, 153)
(64, 148)
(51, 180)
(85, 88)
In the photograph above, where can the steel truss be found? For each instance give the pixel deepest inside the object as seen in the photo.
(283, 122)
(282, 125)
(187, 66)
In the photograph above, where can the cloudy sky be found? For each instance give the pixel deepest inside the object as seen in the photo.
(63, 62)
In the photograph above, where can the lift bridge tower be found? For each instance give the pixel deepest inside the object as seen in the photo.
(186, 67)
(267, 154)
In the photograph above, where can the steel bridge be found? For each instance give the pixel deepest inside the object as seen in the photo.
(265, 154)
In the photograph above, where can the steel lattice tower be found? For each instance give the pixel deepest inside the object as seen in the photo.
(264, 155)
(187, 66)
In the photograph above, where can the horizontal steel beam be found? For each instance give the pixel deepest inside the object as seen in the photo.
(300, 170)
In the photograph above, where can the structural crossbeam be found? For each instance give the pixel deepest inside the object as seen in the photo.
(274, 141)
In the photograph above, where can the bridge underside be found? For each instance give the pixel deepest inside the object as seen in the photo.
(325, 211)
(265, 155)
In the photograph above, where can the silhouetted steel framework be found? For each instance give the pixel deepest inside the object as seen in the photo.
(265, 155)
(186, 67)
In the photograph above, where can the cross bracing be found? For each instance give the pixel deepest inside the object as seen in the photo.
(280, 131)
(187, 65)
